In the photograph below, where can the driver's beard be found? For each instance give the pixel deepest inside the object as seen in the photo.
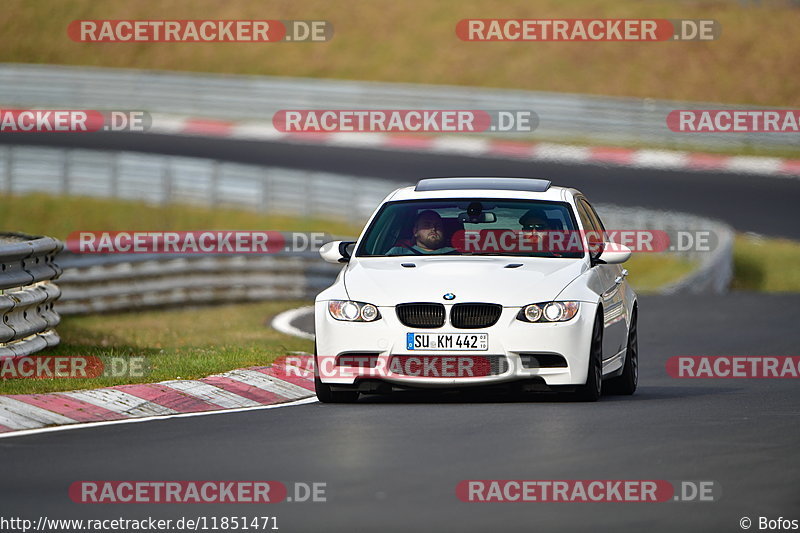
(432, 243)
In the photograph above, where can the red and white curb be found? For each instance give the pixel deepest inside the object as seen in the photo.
(483, 147)
(242, 389)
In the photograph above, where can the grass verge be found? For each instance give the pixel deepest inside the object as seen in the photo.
(650, 272)
(58, 216)
(175, 344)
(768, 265)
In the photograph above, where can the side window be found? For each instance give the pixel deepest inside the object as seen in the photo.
(592, 213)
(595, 232)
(586, 220)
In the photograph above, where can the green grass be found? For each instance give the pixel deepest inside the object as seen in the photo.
(58, 216)
(649, 272)
(768, 265)
(176, 344)
(754, 61)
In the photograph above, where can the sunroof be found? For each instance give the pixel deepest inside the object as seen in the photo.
(495, 184)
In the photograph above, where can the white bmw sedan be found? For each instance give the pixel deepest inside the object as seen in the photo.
(462, 282)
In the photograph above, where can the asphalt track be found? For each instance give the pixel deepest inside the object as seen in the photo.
(761, 204)
(392, 463)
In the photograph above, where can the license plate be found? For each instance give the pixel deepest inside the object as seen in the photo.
(475, 342)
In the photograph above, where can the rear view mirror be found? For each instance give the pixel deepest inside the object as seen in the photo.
(481, 218)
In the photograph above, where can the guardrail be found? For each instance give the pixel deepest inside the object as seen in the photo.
(99, 283)
(574, 117)
(27, 293)
(715, 266)
(169, 179)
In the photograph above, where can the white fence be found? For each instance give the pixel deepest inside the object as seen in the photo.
(169, 179)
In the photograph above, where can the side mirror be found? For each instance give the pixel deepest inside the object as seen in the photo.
(336, 251)
(614, 253)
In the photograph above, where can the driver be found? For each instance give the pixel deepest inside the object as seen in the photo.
(428, 234)
(535, 229)
(532, 220)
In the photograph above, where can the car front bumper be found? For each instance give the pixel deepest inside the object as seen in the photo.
(509, 338)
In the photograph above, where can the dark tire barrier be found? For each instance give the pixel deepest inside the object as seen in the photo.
(27, 293)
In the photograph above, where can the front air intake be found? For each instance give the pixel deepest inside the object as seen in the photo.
(475, 316)
(421, 315)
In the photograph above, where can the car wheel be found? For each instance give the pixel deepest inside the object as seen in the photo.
(627, 382)
(324, 392)
(592, 389)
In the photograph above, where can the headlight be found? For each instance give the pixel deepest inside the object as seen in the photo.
(532, 313)
(353, 311)
(548, 312)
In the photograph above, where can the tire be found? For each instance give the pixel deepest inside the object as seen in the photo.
(324, 392)
(626, 383)
(593, 388)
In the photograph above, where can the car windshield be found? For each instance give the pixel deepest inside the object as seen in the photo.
(473, 226)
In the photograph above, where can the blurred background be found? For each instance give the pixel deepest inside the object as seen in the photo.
(211, 158)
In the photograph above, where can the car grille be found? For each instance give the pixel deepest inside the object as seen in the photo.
(421, 315)
(473, 316)
(448, 366)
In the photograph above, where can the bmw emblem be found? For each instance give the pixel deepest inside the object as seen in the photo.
(449, 296)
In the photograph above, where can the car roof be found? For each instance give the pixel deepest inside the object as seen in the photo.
(484, 187)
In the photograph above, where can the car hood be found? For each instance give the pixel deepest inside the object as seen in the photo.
(386, 282)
